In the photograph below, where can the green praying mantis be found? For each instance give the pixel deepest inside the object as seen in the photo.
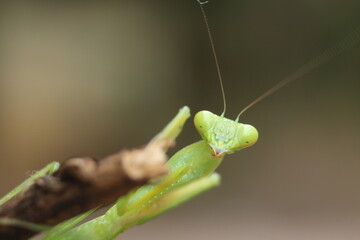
(191, 170)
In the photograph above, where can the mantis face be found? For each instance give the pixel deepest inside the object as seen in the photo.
(225, 136)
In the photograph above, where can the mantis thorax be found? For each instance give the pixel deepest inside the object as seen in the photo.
(225, 136)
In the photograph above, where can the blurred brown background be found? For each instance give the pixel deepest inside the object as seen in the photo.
(82, 78)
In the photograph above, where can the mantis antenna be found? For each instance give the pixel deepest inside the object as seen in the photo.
(214, 52)
(345, 44)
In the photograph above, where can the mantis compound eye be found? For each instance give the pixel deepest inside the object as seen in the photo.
(248, 137)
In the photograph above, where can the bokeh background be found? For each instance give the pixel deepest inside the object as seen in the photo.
(90, 78)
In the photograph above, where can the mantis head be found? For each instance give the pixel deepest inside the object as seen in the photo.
(225, 136)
